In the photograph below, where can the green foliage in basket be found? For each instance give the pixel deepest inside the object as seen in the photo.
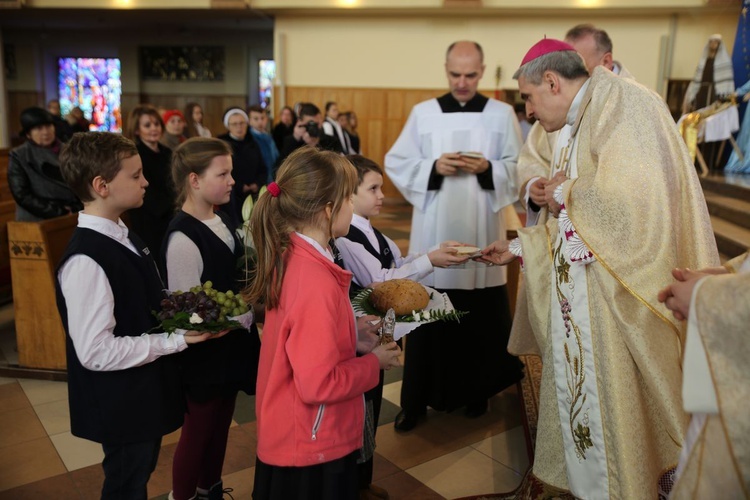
(362, 304)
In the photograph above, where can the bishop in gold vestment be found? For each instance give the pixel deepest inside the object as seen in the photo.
(536, 161)
(631, 209)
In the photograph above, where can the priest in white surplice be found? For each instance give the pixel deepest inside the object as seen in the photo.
(455, 162)
(626, 208)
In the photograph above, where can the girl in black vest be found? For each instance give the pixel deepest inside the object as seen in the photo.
(202, 245)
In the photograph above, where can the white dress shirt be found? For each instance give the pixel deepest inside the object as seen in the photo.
(367, 268)
(90, 304)
(333, 128)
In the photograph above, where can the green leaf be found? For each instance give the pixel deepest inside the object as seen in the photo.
(181, 320)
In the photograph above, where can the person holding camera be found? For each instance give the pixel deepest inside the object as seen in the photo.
(308, 131)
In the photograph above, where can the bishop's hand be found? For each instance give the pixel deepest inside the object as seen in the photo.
(497, 253)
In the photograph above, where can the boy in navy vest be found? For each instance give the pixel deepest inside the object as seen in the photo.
(372, 257)
(123, 391)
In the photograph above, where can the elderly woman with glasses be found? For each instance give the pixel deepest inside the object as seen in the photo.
(248, 169)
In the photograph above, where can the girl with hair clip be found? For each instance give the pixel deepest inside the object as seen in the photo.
(309, 403)
(202, 245)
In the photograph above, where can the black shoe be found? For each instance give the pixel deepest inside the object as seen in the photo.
(476, 409)
(407, 421)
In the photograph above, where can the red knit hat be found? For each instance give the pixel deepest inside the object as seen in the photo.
(544, 47)
(170, 113)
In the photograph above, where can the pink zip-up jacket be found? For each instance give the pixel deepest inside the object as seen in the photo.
(309, 401)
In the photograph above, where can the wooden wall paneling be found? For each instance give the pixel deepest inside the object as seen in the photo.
(7, 214)
(373, 103)
(375, 143)
(395, 105)
(345, 99)
(4, 188)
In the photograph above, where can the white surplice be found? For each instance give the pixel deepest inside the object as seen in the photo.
(460, 210)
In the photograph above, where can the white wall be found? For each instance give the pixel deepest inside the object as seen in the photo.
(408, 52)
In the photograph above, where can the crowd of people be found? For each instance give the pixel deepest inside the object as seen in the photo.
(643, 382)
(257, 152)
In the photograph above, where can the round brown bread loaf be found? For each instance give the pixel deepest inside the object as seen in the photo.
(403, 295)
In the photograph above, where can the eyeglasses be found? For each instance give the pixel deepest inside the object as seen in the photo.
(237, 124)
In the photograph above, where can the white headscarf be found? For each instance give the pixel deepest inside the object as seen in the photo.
(723, 77)
(234, 111)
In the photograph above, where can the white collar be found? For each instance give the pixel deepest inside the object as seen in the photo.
(570, 119)
(324, 251)
(116, 230)
(362, 223)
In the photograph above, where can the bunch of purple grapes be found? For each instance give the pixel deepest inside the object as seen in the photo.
(190, 302)
(211, 305)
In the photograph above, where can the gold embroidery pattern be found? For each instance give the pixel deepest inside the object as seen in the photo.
(563, 162)
(575, 375)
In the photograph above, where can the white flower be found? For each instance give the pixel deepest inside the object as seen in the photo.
(515, 247)
(416, 315)
(564, 222)
(426, 315)
(577, 251)
(558, 194)
(195, 319)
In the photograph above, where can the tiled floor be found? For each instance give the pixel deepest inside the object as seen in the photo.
(447, 456)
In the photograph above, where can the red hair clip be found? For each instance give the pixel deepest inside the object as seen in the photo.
(274, 189)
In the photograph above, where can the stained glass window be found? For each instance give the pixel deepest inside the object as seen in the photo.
(94, 85)
(266, 76)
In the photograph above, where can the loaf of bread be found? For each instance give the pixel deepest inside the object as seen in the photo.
(403, 295)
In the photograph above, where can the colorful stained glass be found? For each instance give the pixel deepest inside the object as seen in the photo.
(95, 86)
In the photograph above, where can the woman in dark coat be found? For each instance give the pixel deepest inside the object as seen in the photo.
(248, 168)
(34, 174)
(150, 220)
(285, 127)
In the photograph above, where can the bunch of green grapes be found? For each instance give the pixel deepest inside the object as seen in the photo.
(211, 305)
(228, 304)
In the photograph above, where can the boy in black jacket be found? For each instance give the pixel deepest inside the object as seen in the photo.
(123, 391)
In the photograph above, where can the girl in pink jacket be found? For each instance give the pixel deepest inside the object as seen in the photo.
(309, 397)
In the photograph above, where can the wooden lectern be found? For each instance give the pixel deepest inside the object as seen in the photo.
(35, 250)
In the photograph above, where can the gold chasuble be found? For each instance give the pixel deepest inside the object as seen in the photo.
(611, 421)
(716, 463)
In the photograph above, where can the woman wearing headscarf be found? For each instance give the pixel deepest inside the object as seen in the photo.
(34, 174)
(248, 169)
(713, 79)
